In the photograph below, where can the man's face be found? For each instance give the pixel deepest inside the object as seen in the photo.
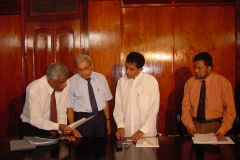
(84, 69)
(58, 84)
(131, 70)
(201, 70)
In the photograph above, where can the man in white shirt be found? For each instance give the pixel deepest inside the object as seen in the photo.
(137, 101)
(79, 103)
(36, 111)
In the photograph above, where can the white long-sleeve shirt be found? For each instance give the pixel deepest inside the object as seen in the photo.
(36, 110)
(137, 104)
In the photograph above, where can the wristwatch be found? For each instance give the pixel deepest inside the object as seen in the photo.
(108, 119)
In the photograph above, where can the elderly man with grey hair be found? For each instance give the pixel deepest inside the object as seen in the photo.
(89, 94)
(41, 94)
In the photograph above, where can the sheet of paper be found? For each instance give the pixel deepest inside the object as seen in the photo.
(224, 140)
(148, 142)
(38, 141)
(79, 122)
(205, 138)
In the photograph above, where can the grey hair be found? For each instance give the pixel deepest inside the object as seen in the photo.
(56, 69)
(81, 57)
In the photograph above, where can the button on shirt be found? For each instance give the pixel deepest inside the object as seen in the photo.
(36, 110)
(78, 94)
(219, 101)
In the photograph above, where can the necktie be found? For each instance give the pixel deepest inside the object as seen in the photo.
(92, 97)
(201, 104)
(53, 112)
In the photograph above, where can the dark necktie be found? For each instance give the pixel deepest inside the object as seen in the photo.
(92, 97)
(201, 104)
(53, 112)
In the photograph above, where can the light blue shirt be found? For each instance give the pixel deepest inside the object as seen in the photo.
(78, 92)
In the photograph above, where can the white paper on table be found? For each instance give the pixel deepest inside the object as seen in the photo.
(208, 138)
(224, 140)
(79, 122)
(148, 142)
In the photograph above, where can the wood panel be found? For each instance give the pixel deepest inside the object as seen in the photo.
(104, 42)
(199, 29)
(148, 30)
(11, 97)
(50, 42)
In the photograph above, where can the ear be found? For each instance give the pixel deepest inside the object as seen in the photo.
(140, 69)
(209, 68)
(50, 81)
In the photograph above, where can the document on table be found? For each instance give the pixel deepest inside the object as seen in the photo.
(38, 141)
(210, 139)
(148, 142)
(79, 122)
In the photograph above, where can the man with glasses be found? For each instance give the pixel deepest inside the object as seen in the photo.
(208, 103)
(89, 94)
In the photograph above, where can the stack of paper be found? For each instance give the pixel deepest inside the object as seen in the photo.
(208, 138)
(148, 142)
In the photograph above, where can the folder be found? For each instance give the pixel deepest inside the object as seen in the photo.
(30, 142)
(16, 145)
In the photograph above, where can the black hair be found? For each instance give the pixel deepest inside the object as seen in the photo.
(205, 57)
(135, 57)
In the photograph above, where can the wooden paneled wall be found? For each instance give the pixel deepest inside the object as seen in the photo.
(168, 37)
(11, 73)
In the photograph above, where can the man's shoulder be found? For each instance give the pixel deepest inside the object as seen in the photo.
(73, 78)
(37, 84)
(148, 76)
(218, 77)
(98, 75)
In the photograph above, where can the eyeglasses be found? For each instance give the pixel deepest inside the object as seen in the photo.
(84, 69)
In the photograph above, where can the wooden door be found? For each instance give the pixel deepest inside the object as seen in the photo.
(51, 41)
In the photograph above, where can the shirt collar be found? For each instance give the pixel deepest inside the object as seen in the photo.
(209, 78)
(50, 89)
(92, 76)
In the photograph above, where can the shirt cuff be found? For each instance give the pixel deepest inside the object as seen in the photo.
(55, 126)
(120, 125)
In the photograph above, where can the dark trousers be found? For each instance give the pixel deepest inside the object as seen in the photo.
(95, 127)
(26, 129)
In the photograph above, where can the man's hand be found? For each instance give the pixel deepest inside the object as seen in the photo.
(219, 135)
(120, 133)
(76, 134)
(66, 137)
(137, 135)
(65, 129)
(108, 127)
(192, 131)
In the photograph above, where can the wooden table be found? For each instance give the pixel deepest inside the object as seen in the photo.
(171, 148)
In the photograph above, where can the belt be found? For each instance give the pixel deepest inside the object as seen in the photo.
(208, 121)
